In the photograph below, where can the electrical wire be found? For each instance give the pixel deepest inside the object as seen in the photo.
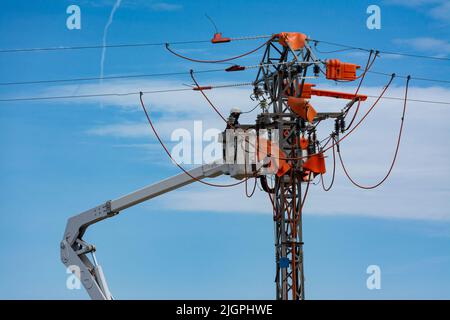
(171, 157)
(216, 61)
(364, 116)
(206, 97)
(148, 75)
(242, 38)
(251, 110)
(363, 75)
(395, 154)
(131, 76)
(125, 45)
(333, 174)
(121, 45)
(411, 77)
(305, 194)
(110, 94)
(414, 100)
(316, 41)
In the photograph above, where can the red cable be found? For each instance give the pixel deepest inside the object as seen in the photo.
(170, 156)
(206, 97)
(217, 61)
(396, 149)
(334, 172)
(306, 193)
(359, 86)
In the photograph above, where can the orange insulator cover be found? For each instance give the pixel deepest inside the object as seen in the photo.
(268, 149)
(306, 92)
(302, 108)
(219, 39)
(315, 163)
(337, 94)
(296, 40)
(304, 143)
(337, 70)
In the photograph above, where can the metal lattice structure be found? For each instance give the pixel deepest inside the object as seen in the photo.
(283, 69)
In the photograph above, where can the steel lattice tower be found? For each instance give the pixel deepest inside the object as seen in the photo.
(284, 69)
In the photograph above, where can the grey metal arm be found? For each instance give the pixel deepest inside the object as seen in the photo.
(74, 249)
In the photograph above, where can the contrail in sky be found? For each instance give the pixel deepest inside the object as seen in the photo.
(105, 33)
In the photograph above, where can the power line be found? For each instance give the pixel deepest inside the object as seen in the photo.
(414, 100)
(98, 46)
(412, 78)
(125, 45)
(91, 95)
(243, 38)
(380, 51)
(149, 75)
(126, 76)
(106, 78)
(110, 94)
(116, 94)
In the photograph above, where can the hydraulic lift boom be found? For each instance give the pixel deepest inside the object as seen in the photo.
(74, 250)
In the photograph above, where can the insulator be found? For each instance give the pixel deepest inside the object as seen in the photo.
(337, 126)
(316, 70)
(342, 124)
(257, 91)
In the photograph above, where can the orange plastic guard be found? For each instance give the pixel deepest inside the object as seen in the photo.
(267, 149)
(296, 40)
(302, 108)
(304, 143)
(337, 70)
(306, 92)
(219, 39)
(315, 163)
(338, 95)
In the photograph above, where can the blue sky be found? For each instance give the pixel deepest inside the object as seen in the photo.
(59, 158)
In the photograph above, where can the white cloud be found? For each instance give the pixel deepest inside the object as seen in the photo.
(139, 129)
(441, 12)
(426, 44)
(122, 130)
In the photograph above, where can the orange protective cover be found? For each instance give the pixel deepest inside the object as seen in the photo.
(337, 70)
(315, 163)
(267, 149)
(337, 94)
(219, 39)
(296, 40)
(302, 108)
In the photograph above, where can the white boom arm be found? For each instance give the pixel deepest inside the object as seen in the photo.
(74, 249)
